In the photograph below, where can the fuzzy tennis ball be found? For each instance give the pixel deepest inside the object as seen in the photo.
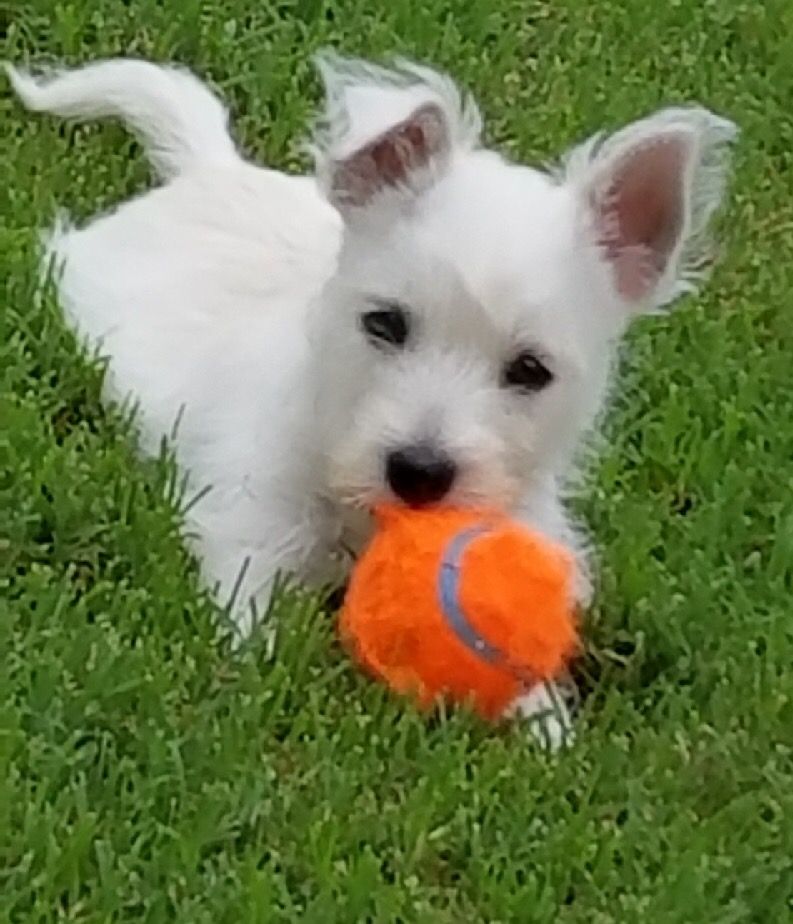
(456, 603)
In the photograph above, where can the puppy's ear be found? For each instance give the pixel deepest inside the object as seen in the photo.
(647, 195)
(387, 135)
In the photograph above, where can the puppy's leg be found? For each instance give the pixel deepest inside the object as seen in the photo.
(544, 511)
(243, 580)
(544, 707)
(246, 545)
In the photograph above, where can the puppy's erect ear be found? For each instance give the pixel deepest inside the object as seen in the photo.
(387, 135)
(647, 195)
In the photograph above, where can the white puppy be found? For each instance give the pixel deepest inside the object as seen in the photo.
(422, 320)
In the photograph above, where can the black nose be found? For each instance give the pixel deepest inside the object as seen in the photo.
(420, 475)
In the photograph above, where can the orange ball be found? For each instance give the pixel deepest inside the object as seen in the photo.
(462, 604)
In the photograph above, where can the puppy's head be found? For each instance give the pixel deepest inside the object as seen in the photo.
(466, 338)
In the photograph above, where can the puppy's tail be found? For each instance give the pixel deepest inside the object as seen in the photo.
(180, 122)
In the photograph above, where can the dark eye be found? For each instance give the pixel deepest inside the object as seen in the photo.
(386, 326)
(527, 373)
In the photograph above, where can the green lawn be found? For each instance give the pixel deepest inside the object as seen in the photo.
(148, 774)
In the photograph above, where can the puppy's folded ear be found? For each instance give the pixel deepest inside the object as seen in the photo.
(387, 135)
(647, 195)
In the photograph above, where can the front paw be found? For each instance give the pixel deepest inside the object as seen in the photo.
(546, 716)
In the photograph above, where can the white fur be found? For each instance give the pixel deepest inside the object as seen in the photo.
(176, 116)
(229, 298)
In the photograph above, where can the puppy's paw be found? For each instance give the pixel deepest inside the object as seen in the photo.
(546, 715)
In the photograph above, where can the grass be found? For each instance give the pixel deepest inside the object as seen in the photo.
(147, 774)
